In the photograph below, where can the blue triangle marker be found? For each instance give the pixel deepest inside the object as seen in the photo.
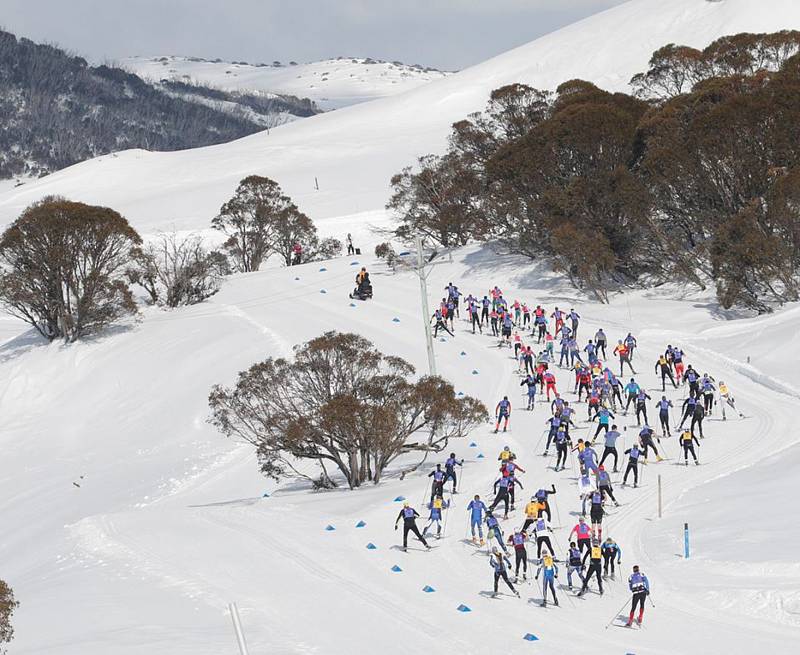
(353, 263)
(474, 371)
(399, 499)
(371, 546)
(463, 608)
(329, 528)
(395, 320)
(463, 354)
(360, 524)
(323, 269)
(322, 291)
(480, 456)
(396, 569)
(460, 393)
(265, 495)
(428, 589)
(530, 637)
(297, 278)
(352, 304)
(473, 445)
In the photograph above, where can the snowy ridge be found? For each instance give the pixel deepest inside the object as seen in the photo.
(353, 152)
(331, 83)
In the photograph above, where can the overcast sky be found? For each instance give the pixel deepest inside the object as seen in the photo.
(447, 34)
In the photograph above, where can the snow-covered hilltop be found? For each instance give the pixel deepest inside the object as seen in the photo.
(331, 83)
(353, 152)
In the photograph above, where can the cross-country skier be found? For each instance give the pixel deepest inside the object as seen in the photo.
(632, 344)
(532, 510)
(688, 408)
(574, 564)
(517, 539)
(646, 441)
(439, 323)
(639, 586)
(595, 555)
(604, 483)
(542, 497)
(600, 341)
(541, 529)
(611, 446)
(641, 406)
(574, 318)
(623, 352)
(708, 390)
(531, 381)
(664, 406)
(437, 487)
(409, 516)
(697, 419)
(435, 506)
(563, 443)
(549, 571)
(610, 549)
(450, 470)
(500, 563)
(687, 441)
(633, 465)
(494, 530)
(725, 394)
(501, 493)
(596, 513)
(513, 482)
(476, 509)
(604, 415)
(632, 389)
(663, 364)
(693, 378)
(502, 411)
(583, 532)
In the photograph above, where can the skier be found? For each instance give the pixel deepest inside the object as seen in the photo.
(563, 443)
(611, 446)
(600, 341)
(502, 411)
(574, 564)
(494, 530)
(439, 318)
(687, 441)
(596, 513)
(498, 562)
(605, 416)
(641, 406)
(485, 304)
(633, 465)
(583, 532)
(518, 539)
(350, 248)
(533, 510)
(646, 441)
(513, 483)
(549, 568)
(531, 381)
(724, 394)
(624, 357)
(688, 408)
(708, 389)
(409, 516)
(632, 344)
(697, 419)
(693, 378)
(595, 555)
(639, 586)
(632, 389)
(610, 549)
(541, 496)
(663, 364)
(476, 508)
(604, 483)
(435, 506)
(574, 318)
(501, 493)
(550, 382)
(664, 406)
(541, 528)
(474, 317)
(450, 470)
(437, 488)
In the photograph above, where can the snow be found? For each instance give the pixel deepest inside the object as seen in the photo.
(169, 522)
(331, 83)
(353, 152)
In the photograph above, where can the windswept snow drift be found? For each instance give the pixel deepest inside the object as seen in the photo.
(169, 524)
(353, 152)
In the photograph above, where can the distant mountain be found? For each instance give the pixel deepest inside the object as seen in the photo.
(331, 83)
(57, 110)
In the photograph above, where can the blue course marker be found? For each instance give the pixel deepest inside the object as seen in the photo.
(297, 278)
(463, 608)
(530, 637)
(480, 456)
(395, 320)
(371, 546)
(352, 304)
(265, 495)
(322, 291)
(360, 524)
(474, 371)
(399, 499)
(463, 354)
(353, 263)
(329, 528)
(323, 269)
(460, 393)
(473, 445)
(428, 589)
(442, 339)
(396, 569)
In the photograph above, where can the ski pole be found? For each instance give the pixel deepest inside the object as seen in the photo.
(651, 600)
(616, 615)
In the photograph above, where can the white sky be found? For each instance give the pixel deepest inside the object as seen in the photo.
(448, 34)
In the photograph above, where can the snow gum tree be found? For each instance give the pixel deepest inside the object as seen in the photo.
(7, 606)
(63, 267)
(343, 404)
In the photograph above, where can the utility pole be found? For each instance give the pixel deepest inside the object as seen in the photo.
(426, 314)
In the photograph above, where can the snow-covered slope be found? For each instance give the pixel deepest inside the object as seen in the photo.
(353, 152)
(169, 524)
(331, 83)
